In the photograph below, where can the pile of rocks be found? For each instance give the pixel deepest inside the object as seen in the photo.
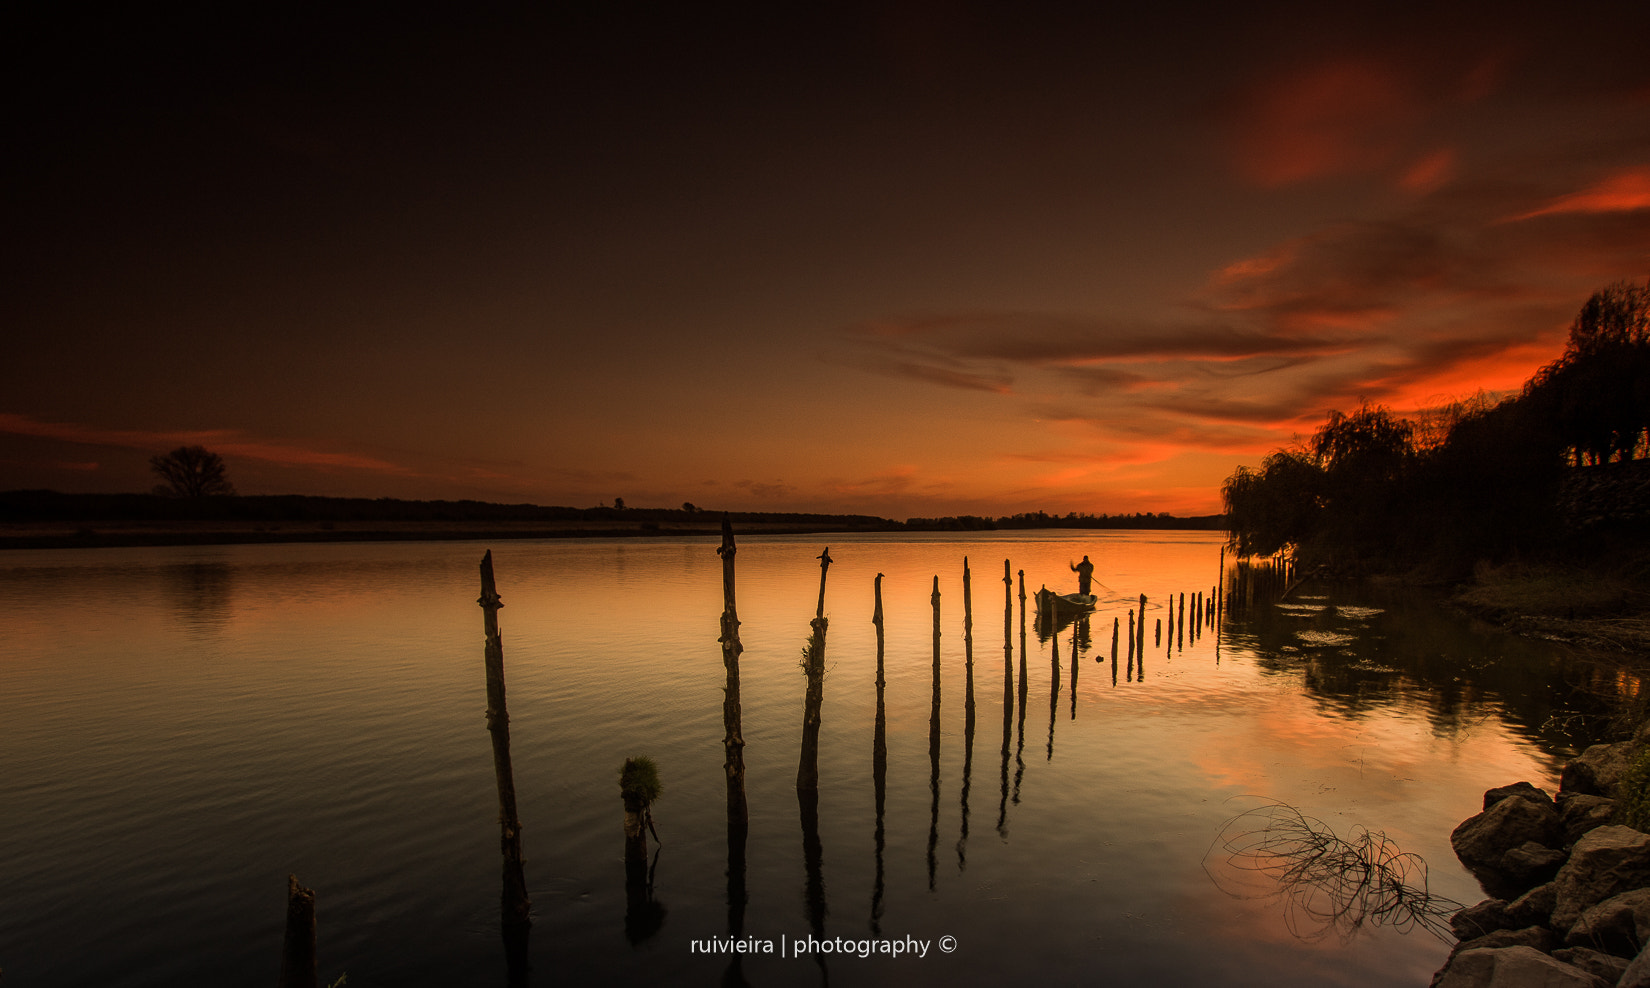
(1572, 905)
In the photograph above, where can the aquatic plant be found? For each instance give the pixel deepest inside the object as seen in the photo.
(639, 780)
(1329, 884)
(1633, 792)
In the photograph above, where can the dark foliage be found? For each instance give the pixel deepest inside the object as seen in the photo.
(1475, 480)
(191, 471)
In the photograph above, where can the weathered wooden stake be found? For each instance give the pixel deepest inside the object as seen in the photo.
(1180, 626)
(733, 740)
(298, 944)
(1022, 577)
(1220, 595)
(1142, 624)
(1008, 653)
(733, 737)
(638, 788)
(934, 749)
(807, 769)
(935, 598)
(968, 657)
(515, 905)
(879, 767)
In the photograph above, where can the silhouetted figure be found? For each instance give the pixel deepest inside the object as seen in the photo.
(1085, 575)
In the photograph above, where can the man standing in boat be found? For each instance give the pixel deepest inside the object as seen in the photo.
(1085, 575)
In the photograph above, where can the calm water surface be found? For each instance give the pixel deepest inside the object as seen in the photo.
(181, 728)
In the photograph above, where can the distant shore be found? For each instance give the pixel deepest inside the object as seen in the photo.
(51, 520)
(102, 535)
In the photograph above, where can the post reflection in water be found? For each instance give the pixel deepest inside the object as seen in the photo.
(1054, 676)
(1080, 635)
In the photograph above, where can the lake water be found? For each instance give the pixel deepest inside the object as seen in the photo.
(181, 728)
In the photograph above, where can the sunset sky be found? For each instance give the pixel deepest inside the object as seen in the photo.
(906, 258)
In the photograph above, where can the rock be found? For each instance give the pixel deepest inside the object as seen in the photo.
(1606, 862)
(1481, 841)
(1530, 864)
(1637, 974)
(1533, 908)
(1523, 790)
(1486, 917)
(1597, 771)
(1513, 967)
(1581, 813)
(1539, 937)
(1608, 967)
(1619, 925)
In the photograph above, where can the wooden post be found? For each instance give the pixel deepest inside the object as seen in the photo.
(1022, 577)
(733, 737)
(1114, 629)
(935, 598)
(298, 944)
(1008, 695)
(1180, 626)
(1220, 593)
(515, 905)
(968, 657)
(1142, 624)
(639, 786)
(934, 749)
(879, 767)
(807, 769)
(1008, 654)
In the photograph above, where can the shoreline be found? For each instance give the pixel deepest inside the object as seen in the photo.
(127, 534)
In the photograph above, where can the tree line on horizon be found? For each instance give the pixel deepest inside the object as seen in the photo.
(1473, 480)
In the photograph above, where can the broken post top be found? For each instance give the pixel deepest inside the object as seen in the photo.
(726, 549)
(489, 591)
(824, 564)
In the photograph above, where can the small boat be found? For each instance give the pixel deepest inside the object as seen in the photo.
(1067, 603)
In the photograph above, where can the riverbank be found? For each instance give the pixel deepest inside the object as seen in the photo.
(1603, 610)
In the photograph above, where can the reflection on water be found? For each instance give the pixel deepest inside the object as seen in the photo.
(200, 593)
(235, 714)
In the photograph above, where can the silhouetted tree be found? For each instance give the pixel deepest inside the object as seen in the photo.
(191, 471)
(1275, 507)
(1597, 394)
(618, 503)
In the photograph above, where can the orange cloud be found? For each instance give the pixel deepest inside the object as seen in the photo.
(224, 441)
(1429, 173)
(1330, 119)
(1623, 192)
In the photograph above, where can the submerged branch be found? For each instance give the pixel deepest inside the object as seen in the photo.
(1330, 884)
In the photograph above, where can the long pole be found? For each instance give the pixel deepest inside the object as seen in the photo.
(515, 904)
